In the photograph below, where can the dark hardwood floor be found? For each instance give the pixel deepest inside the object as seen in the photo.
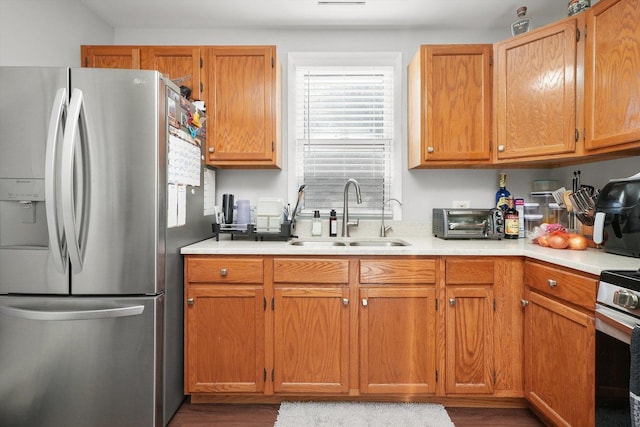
(226, 415)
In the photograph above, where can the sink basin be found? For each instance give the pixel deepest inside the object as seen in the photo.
(380, 242)
(316, 243)
(343, 243)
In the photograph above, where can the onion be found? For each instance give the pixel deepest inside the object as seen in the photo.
(558, 241)
(577, 242)
(542, 241)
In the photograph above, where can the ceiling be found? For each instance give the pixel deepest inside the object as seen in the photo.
(393, 14)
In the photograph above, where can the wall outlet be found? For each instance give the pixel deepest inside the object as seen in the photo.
(461, 204)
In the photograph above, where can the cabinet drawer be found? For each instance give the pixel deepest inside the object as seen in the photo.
(571, 287)
(224, 270)
(469, 271)
(397, 271)
(310, 270)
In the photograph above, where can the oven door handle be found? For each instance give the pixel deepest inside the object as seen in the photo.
(614, 323)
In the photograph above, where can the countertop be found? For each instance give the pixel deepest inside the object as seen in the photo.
(420, 242)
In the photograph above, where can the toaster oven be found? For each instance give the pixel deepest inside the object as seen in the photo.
(467, 223)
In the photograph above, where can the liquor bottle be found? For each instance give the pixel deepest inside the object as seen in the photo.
(502, 195)
(511, 221)
(523, 23)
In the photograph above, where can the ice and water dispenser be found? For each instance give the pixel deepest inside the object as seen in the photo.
(23, 222)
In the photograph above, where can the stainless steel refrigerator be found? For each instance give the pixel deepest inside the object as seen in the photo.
(91, 307)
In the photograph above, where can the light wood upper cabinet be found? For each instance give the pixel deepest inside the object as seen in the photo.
(612, 67)
(127, 57)
(181, 64)
(535, 93)
(449, 105)
(244, 107)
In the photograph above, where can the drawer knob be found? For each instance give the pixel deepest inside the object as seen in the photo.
(345, 301)
(524, 302)
(223, 272)
(501, 148)
(552, 283)
(452, 302)
(211, 150)
(430, 150)
(190, 301)
(364, 302)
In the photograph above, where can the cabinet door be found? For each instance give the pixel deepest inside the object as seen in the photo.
(181, 64)
(559, 361)
(127, 57)
(397, 340)
(612, 67)
(450, 104)
(243, 94)
(536, 93)
(311, 338)
(224, 339)
(469, 340)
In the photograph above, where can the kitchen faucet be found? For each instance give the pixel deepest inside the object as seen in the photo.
(345, 209)
(383, 229)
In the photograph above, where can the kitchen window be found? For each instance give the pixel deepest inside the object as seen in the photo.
(344, 110)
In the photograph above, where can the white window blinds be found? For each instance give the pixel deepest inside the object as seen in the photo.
(344, 129)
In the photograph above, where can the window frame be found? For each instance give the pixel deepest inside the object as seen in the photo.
(393, 59)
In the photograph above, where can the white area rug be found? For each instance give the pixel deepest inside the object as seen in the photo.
(362, 414)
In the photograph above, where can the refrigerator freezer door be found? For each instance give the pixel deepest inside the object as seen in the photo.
(32, 260)
(81, 361)
(116, 173)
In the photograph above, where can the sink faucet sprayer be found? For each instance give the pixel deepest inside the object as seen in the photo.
(383, 228)
(345, 209)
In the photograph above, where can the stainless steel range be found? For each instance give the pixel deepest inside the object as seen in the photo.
(617, 314)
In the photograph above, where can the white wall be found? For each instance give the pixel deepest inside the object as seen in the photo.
(36, 32)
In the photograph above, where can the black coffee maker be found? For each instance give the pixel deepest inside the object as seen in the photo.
(617, 220)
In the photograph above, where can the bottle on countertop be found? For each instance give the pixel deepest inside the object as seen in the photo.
(316, 224)
(511, 221)
(502, 195)
(333, 223)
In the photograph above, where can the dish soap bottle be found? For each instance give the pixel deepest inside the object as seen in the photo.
(333, 223)
(502, 195)
(316, 225)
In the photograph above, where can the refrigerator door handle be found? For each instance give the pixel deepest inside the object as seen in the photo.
(46, 314)
(56, 238)
(75, 124)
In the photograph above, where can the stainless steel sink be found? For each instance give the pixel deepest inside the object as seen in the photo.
(317, 243)
(381, 242)
(356, 242)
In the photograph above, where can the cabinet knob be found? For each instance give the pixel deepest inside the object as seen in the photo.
(190, 301)
(430, 150)
(452, 302)
(211, 149)
(552, 283)
(364, 302)
(345, 301)
(524, 302)
(223, 271)
(500, 148)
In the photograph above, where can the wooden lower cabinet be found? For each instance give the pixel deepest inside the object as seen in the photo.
(559, 338)
(392, 327)
(311, 339)
(469, 342)
(224, 325)
(397, 340)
